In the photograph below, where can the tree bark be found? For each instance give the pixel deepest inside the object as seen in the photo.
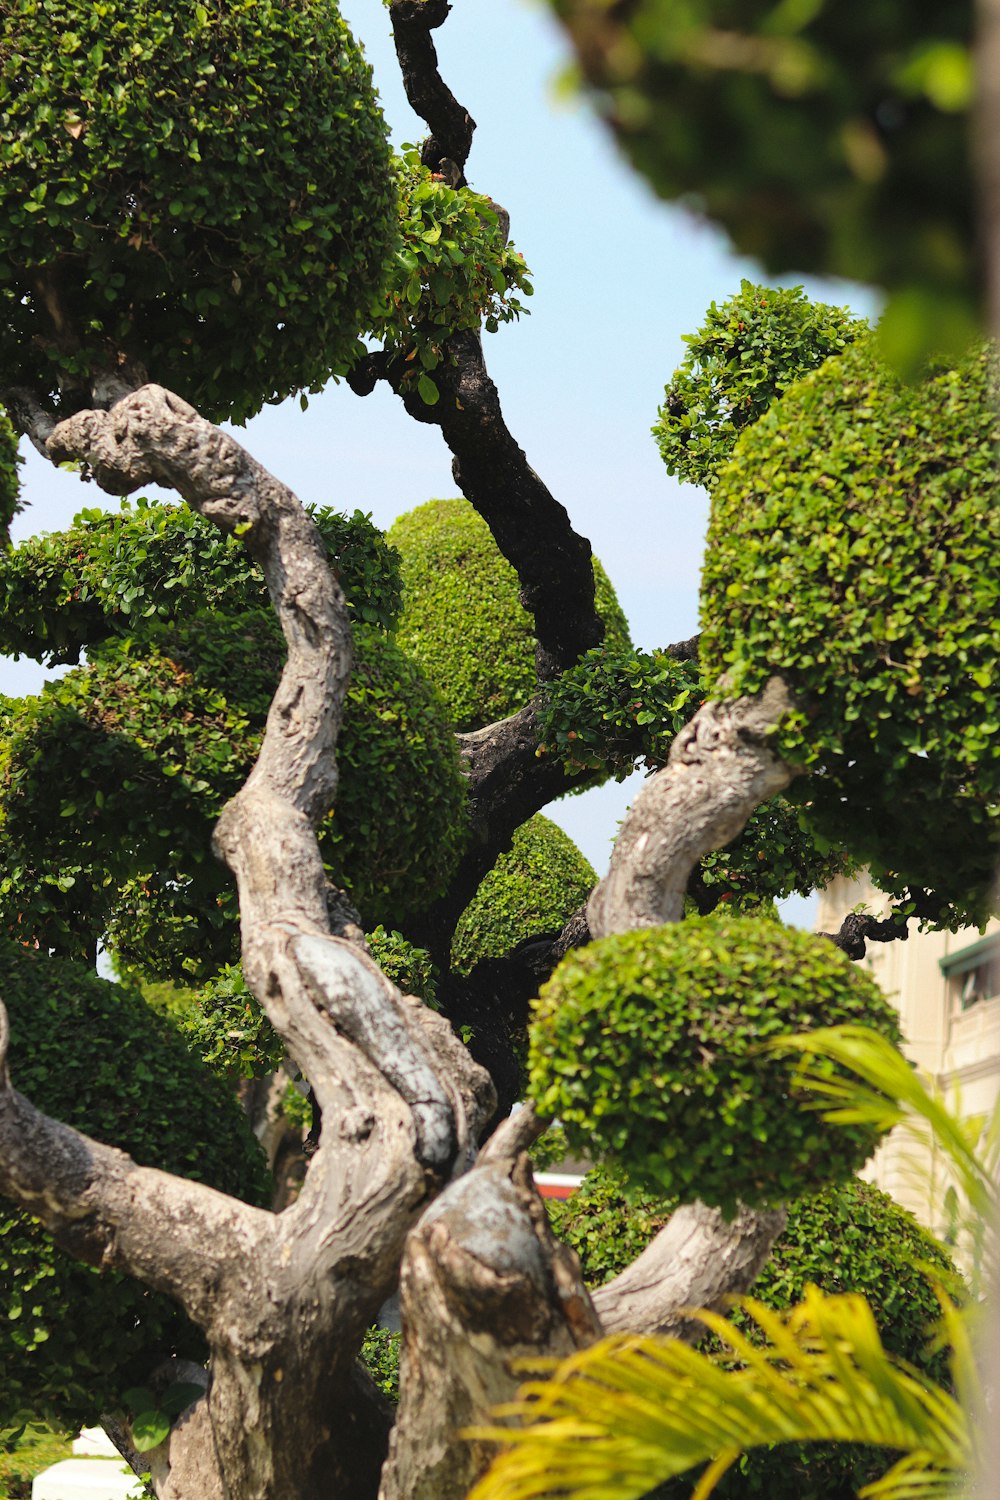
(283, 1299)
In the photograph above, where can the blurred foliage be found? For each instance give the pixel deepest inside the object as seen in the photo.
(462, 618)
(647, 1047)
(123, 573)
(824, 137)
(72, 1337)
(532, 889)
(111, 779)
(745, 355)
(852, 549)
(25, 1453)
(452, 269)
(10, 484)
(156, 200)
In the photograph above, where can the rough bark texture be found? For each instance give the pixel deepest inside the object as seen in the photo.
(284, 1300)
(474, 1290)
(721, 767)
(451, 125)
(697, 1260)
(484, 1284)
(533, 531)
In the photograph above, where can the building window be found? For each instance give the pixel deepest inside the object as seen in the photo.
(973, 973)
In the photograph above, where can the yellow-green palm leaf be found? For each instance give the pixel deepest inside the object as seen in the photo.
(615, 1420)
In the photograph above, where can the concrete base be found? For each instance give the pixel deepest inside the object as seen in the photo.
(86, 1479)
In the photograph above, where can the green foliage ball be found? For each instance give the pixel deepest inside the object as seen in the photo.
(532, 889)
(93, 1054)
(454, 269)
(616, 708)
(848, 1238)
(462, 619)
(824, 137)
(111, 780)
(852, 549)
(650, 1048)
(746, 353)
(124, 573)
(206, 188)
(410, 968)
(10, 486)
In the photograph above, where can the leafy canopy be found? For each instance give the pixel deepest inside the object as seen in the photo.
(648, 1047)
(852, 548)
(745, 355)
(9, 482)
(112, 778)
(157, 202)
(125, 573)
(452, 269)
(848, 1238)
(532, 889)
(72, 1337)
(824, 137)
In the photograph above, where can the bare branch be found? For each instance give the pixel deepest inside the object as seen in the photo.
(697, 1260)
(553, 563)
(451, 125)
(720, 768)
(28, 415)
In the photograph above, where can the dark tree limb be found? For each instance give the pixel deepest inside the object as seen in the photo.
(450, 124)
(533, 531)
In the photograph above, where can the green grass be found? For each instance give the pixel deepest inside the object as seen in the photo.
(35, 1450)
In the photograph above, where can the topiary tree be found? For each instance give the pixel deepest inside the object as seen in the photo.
(128, 573)
(650, 1048)
(202, 196)
(74, 1337)
(851, 1238)
(881, 586)
(133, 147)
(462, 619)
(113, 777)
(532, 889)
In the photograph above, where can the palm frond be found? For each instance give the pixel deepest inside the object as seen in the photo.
(626, 1414)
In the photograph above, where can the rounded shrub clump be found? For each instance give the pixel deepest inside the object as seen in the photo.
(848, 1238)
(111, 780)
(157, 200)
(93, 1054)
(852, 548)
(532, 889)
(650, 1048)
(128, 572)
(746, 354)
(462, 618)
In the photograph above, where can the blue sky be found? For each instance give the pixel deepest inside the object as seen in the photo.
(619, 278)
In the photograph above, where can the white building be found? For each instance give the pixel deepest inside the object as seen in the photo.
(946, 987)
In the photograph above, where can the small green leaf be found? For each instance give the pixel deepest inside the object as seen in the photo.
(429, 392)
